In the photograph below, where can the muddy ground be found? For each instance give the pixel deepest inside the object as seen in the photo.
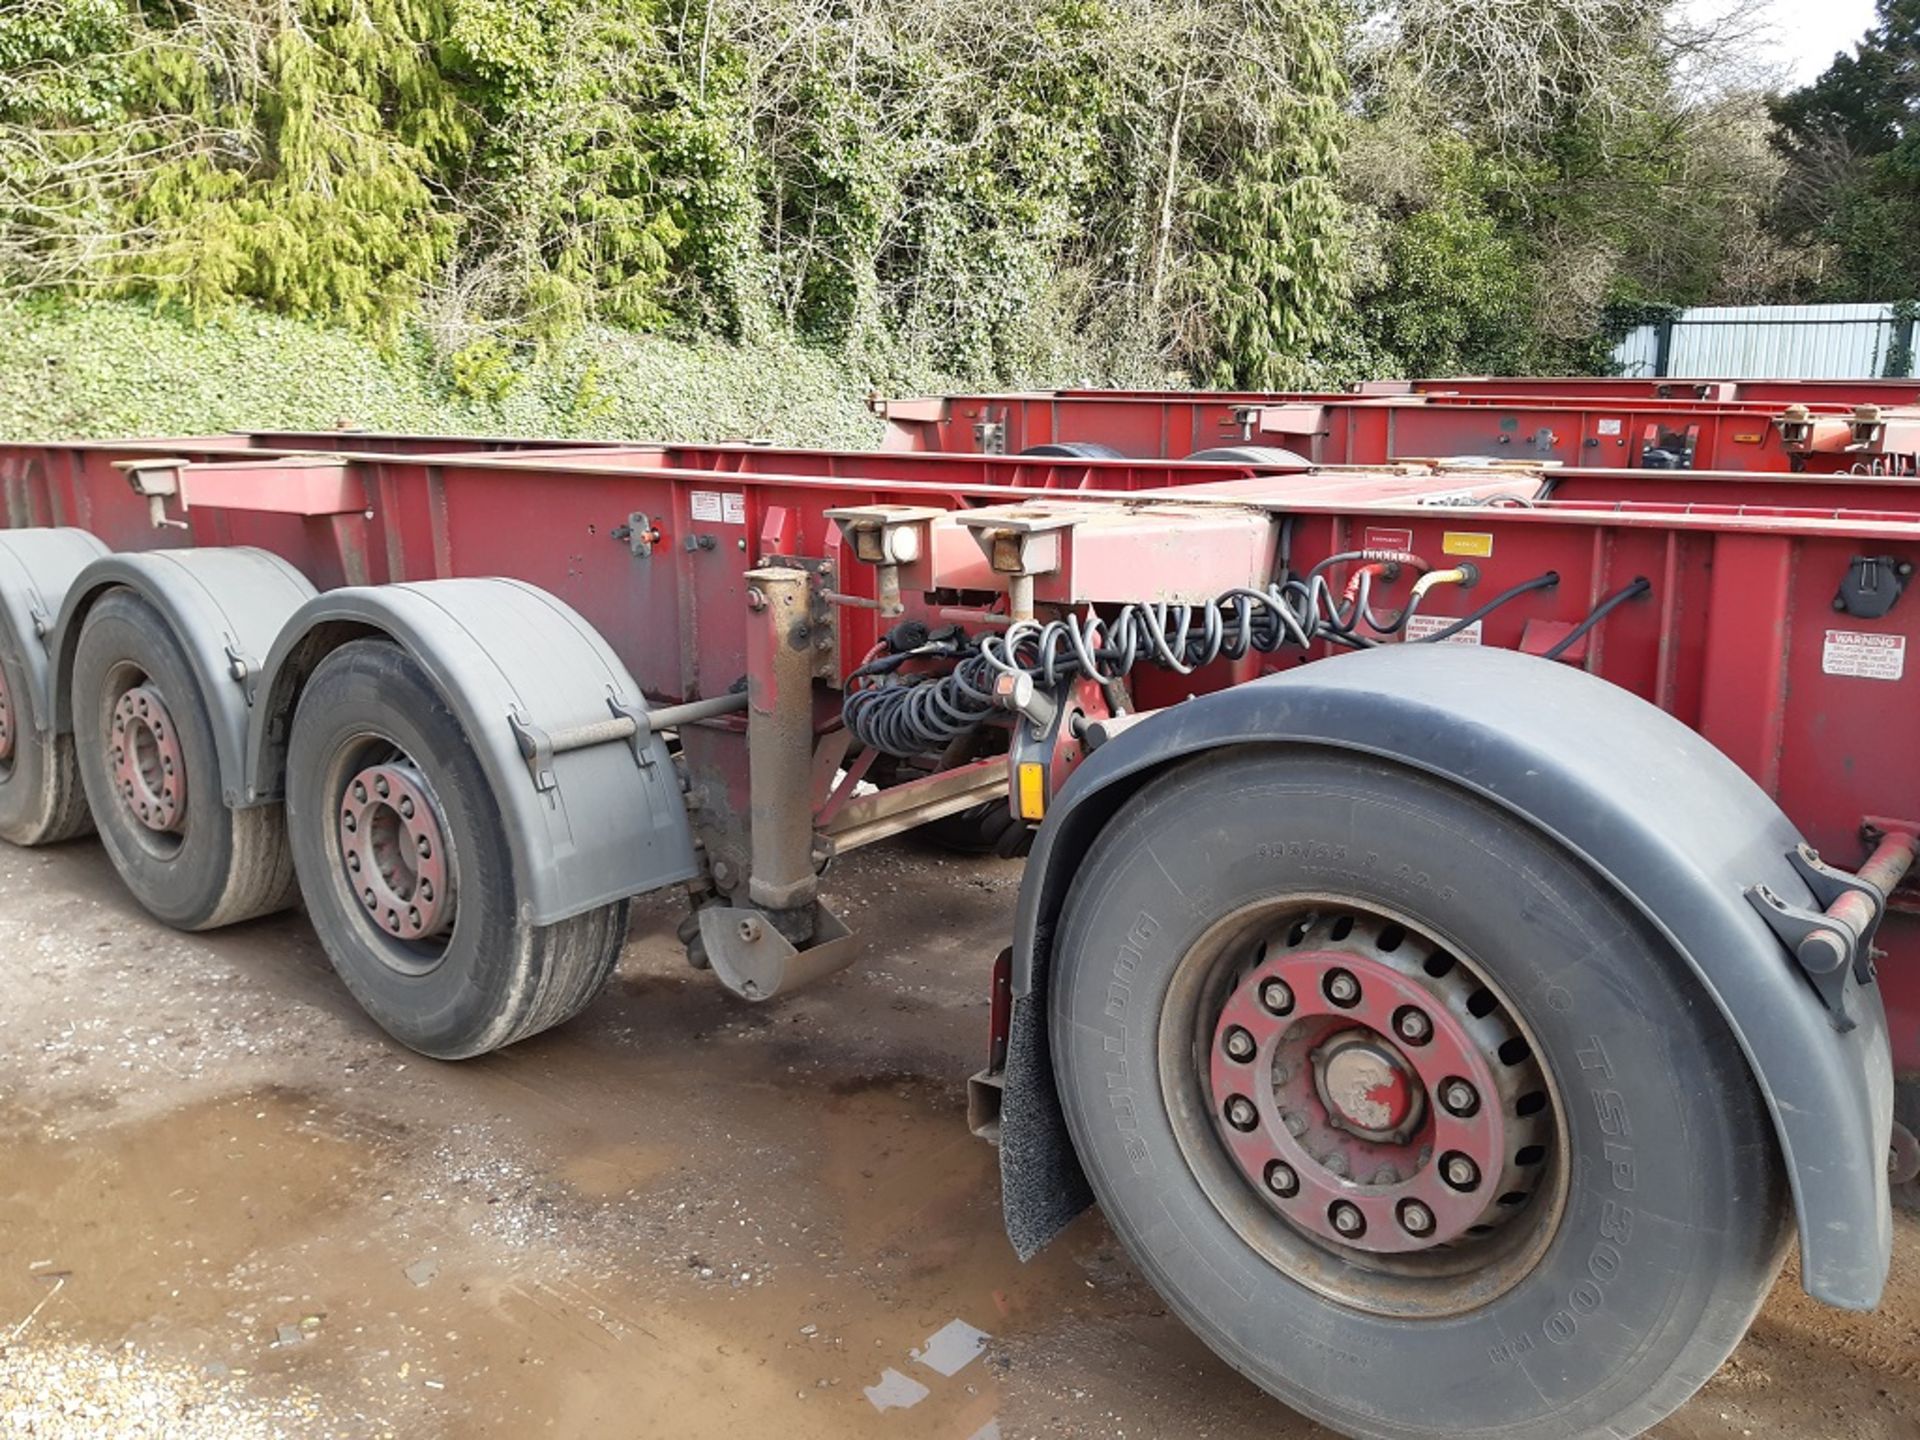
(229, 1207)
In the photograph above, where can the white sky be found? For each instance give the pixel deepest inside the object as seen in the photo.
(1808, 33)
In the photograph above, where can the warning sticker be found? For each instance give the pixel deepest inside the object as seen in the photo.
(1378, 537)
(1863, 655)
(1421, 626)
(727, 509)
(1466, 542)
(1609, 427)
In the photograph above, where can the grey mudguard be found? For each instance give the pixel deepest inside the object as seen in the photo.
(611, 825)
(37, 569)
(224, 605)
(1649, 805)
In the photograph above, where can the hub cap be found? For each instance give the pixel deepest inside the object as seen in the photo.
(1374, 1093)
(393, 847)
(149, 768)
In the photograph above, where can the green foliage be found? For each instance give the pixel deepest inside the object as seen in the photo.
(1251, 193)
(1269, 270)
(108, 368)
(1853, 155)
(977, 186)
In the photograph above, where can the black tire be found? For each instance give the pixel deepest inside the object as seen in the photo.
(989, 829)
(222, 865)
(1269, 455)
(41, 802)
(1663, 1237)
(1073, 450)
(492, 978)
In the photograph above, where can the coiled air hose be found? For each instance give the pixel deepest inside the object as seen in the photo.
(907, 714)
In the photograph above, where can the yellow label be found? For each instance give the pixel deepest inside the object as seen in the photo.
(1033, 790)
(1466, 542)
(1749, 439)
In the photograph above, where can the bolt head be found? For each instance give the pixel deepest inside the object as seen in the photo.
(1416, 1218)
(1460, 1172)
(1277, 996)
(1342, 988)
(1282, 1180)
(1414, 1027)
(1239, 1044)
(749, 930)
(1347, 1218)
(1459, 1097)
(1241, 1114)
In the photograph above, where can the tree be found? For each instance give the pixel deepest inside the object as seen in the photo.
(1851, 143)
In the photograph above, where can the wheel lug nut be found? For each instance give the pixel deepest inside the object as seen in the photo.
(1413, 1026)
(1277, 996)
(1239, 1044)
(1241, 1114)
(1460, 1172)
(1342, 989)
(1282, 1181)
(1295, 1122)
(1416, 1218)
(1459, 1097)
(1347, 1218)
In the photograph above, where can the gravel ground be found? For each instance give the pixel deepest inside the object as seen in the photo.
(231, 1208)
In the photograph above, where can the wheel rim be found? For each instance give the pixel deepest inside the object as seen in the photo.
(144, 757)
(1363, 1105)
(6, 724)
(392, 853)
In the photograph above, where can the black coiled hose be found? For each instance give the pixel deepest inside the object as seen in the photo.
(909, 715)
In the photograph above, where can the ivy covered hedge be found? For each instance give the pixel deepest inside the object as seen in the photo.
(990, 186)
(1255, 193)
(118, 368)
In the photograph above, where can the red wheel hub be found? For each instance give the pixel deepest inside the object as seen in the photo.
(149, 767)
(393, 847)
(1360, 1086)
(6, 719)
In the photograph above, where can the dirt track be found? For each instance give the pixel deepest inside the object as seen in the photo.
(229, 1207)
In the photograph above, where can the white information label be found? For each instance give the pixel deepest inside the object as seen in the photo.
(733, 508)
(1608, 427)
(706, 505)
(1421, 626)
(1864, 655)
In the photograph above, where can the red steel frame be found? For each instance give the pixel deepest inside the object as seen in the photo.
(1731, 640)
(1539, 426)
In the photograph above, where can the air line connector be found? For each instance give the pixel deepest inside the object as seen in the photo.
(1016, 691)
(1465, 575)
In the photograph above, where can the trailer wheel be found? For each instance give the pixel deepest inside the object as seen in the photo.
(406, 870)
(1415, 1122)
(41, 801)
(147, 761)
(988, 829)
(1071, 450)
(1269, 455)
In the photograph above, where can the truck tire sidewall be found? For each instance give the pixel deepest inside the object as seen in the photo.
(375, 686)
(1673, 1220)
(185, 887)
